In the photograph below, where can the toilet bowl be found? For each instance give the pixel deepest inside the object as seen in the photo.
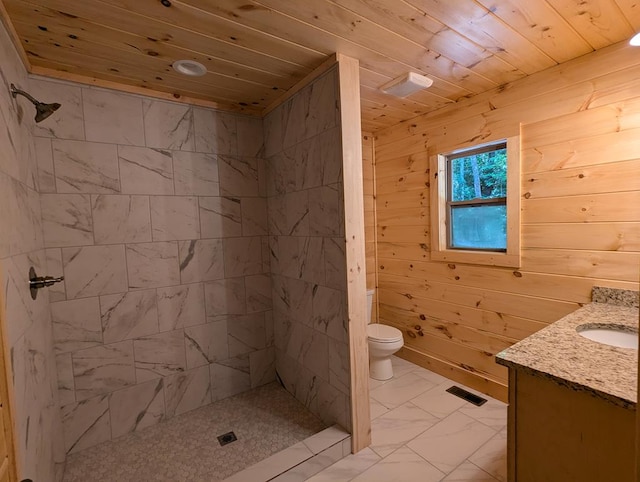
(384, 341)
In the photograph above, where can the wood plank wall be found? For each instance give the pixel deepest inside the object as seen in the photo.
(580, 129)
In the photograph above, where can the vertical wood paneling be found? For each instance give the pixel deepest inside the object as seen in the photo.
(349, 88)
(580, 198)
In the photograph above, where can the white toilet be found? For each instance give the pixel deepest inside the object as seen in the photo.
(384, 341)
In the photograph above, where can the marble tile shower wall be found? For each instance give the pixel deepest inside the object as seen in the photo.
(156, 213)
(306, 227)
(27, 322)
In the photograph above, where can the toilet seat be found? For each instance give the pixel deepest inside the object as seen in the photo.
(383, 333)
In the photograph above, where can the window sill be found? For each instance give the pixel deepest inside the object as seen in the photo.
(475, 257)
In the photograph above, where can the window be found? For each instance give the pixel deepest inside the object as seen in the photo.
(475, 204)
(477, 198)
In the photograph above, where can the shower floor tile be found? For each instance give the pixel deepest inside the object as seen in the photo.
(185, 448)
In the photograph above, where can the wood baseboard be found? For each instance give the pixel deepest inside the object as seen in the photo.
(483, 384)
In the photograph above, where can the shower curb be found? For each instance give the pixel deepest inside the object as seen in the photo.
(302, 460)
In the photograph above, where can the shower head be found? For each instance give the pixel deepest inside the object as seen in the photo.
(42, 110)
(45, 110)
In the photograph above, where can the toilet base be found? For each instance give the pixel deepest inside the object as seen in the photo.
(380, 368)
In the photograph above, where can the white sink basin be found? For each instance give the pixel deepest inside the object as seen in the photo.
(614, 335)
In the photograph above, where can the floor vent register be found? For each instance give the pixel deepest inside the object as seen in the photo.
(466, 395)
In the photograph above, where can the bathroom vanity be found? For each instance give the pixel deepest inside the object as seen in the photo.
(572, 401)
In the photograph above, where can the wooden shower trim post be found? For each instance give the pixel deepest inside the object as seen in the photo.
(349, 80)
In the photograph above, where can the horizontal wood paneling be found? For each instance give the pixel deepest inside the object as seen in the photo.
(589, 236)
(579, 125)
(543, 285)
(467, 47)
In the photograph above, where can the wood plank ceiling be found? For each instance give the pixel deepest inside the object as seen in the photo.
(256, 50)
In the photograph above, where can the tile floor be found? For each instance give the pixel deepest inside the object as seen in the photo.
(266, 420)
(422, 433)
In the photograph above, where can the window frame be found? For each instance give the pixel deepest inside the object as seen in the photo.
(440, 221)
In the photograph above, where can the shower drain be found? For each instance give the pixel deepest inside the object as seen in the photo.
(227, 438)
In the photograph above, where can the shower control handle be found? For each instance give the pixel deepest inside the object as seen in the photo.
(37, 282)
(42, 281)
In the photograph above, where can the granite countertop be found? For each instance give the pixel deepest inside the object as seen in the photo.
(559, 353)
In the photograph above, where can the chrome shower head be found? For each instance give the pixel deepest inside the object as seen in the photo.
(45, 110)
(42, 110)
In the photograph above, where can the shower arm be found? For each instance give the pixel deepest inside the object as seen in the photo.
(15, 91)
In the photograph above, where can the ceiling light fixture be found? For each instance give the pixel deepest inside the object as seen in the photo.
(189, 67)
(635, 40)
(406, 84)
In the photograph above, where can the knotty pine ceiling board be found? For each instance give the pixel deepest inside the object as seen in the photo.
(256, 50)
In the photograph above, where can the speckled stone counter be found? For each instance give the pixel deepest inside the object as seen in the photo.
(559, 353)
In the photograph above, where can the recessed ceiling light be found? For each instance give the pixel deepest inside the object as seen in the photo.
(189, 67)
(635, 40)
(406, 84)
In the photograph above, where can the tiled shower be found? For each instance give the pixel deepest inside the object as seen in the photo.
(154, 213)
(199, 254)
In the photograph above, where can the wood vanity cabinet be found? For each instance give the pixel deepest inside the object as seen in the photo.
(557, 433)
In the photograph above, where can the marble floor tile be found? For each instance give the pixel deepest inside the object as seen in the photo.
(403, 465)
(373, 384)
(434, 437)
(449, 442)
(492, 456)
(376, 408)
(402, 367)
(468, 472)
(400, 390)
(347, 468)
(431, 376)
(394, 429)
(438, 401)
(493, 413)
